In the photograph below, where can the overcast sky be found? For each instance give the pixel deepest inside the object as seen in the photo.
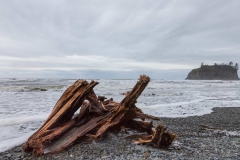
(116, 39)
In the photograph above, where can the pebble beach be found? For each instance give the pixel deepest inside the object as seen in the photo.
(211, 136)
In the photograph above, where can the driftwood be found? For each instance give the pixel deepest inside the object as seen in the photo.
(207, 127)
(96, 118)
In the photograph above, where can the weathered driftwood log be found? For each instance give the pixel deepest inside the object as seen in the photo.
(97, 117)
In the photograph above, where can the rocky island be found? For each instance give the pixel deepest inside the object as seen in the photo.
(215, 72)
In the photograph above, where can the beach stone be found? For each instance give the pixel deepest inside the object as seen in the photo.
(146, 155)
(17, 154)
(8, 155)
(18, 149)
(157, 159)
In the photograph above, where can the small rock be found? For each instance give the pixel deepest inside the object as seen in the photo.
(146, 155)
(9, 155)
(103, 157)
(17, 154)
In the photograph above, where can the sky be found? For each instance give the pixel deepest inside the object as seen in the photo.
(116, 39)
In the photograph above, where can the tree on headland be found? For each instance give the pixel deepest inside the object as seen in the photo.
(236, 66)
(223, 64)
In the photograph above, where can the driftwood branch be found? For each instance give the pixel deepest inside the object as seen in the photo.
(97, 117)
(207, 127)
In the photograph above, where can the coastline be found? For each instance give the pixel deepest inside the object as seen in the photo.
(193, 141)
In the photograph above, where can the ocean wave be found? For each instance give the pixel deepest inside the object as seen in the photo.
(15, 88)
(10, 143)
(22, 120)
(172, 104)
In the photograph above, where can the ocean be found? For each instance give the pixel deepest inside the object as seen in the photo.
(26, 103)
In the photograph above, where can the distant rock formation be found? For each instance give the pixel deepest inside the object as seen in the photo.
(214, 72)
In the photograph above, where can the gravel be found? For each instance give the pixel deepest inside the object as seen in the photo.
(193, 141)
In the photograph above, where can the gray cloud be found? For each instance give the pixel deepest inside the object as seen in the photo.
(98, 74)
(182, 32)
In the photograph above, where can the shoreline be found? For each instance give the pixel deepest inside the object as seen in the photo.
(194, 141)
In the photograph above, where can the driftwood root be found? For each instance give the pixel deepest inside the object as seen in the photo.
(96, 118)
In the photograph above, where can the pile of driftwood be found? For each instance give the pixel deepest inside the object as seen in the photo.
(96, 118)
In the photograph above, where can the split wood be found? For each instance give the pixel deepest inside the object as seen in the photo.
(96, 118)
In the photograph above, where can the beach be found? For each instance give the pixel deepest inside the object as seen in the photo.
(211, 136)
(186, 105)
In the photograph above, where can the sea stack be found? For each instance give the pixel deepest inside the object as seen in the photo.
(215, 72)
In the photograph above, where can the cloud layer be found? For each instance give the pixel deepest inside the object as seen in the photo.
(116, 36)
